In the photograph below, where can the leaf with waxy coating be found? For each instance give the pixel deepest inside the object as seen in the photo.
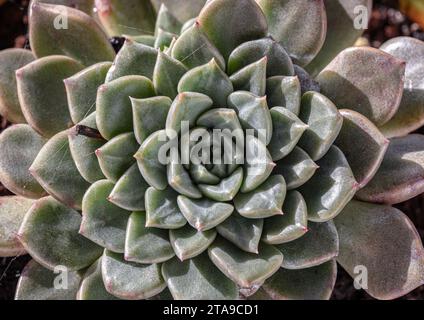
(164, 40)
(183, 10)
(228, 24)
(208, 79)
(226, 190)
(56, 172)
(131, 17)
(103, 222)
(197, 279)
(291, 225)
(37, 283)
(188, 243)
(19, 146)
(116, 156)
(251, 78)
(383, 240)
(331, 188)
(365, 152)
(114, 110)
(42, 93)
(324, 122)
(223, 119)
(314, 283)
(12, 213)
(307, 17)
(410, 115)
(80, 38)
(81, 90)
(128, 280)
(244, 268)
(49, 233)
(204, 214)
(194, 49)
(167, 21)
(319, 245)
(127, 62)
(242, 232)
(365, 80)
(296, 168)
(201, 175)
(147, 40)
(83, 5)
(10, 61)
(180, 181)
(307, 82)
(284, 92)
(401, 174)
(263, 202)
(146, 245)
(162, 209)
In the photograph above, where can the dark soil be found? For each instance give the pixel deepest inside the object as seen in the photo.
(387, 22)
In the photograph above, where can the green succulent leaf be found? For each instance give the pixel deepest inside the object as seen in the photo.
(285, 92)
(263, 202)
(401, 174)
(204, 214)
(167, 21)
(114, 110)
(324, 122)
(56, 172)
(201, 175)
(366, 151)
(226, 190)
(81, 90)
(12, 213)
(383, 240)
(197, 279)
(42, 93)
(162, 209)
(83, 5)
(60, 30)
(307, 18)
(365, 80)
(251, 78)
(38, 283)
(291, 225)
(163, 40)
(188, 243)
(128, 280)
(10, 61)
(147, 40)
(102, 221)
(180, 181)
(331, 187)
(19, 146)
(244, 268)
(183, 10)
(49, 233)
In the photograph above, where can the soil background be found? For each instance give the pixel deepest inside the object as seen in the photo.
(386, 22)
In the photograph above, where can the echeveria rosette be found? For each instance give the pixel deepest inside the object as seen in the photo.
(92, 195)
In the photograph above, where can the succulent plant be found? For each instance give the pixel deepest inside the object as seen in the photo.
(321, 133)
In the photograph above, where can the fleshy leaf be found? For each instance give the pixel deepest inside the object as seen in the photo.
(42, 93)
(37, 283)
(226, 190)
(49, 233)
(324, 122)
(83, 5)
(164, 39)
(204, 214)
(146, 245)
(251, 78)
(208, 79)
(291, 225)
(81, 90)
(365, 152)
(263, 202)
(365, 80)
(147, 40)
(128, 280)
(384, 241)
(307, 18)
(201, 175)
(114, 111)
(183, 10)
(197, 279)
(331, 188)
(56, 172)
(162, 209)
(10, 61)
(244, 268)
(242, 232)
(74, 34)
(401, 174)
(188, 243)
(129, 190)
(167, 21)
(19, 146)
(284, 92)
(307, 82)
(12, 213)
(230, 23)
(180, 181)
(103, 222)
